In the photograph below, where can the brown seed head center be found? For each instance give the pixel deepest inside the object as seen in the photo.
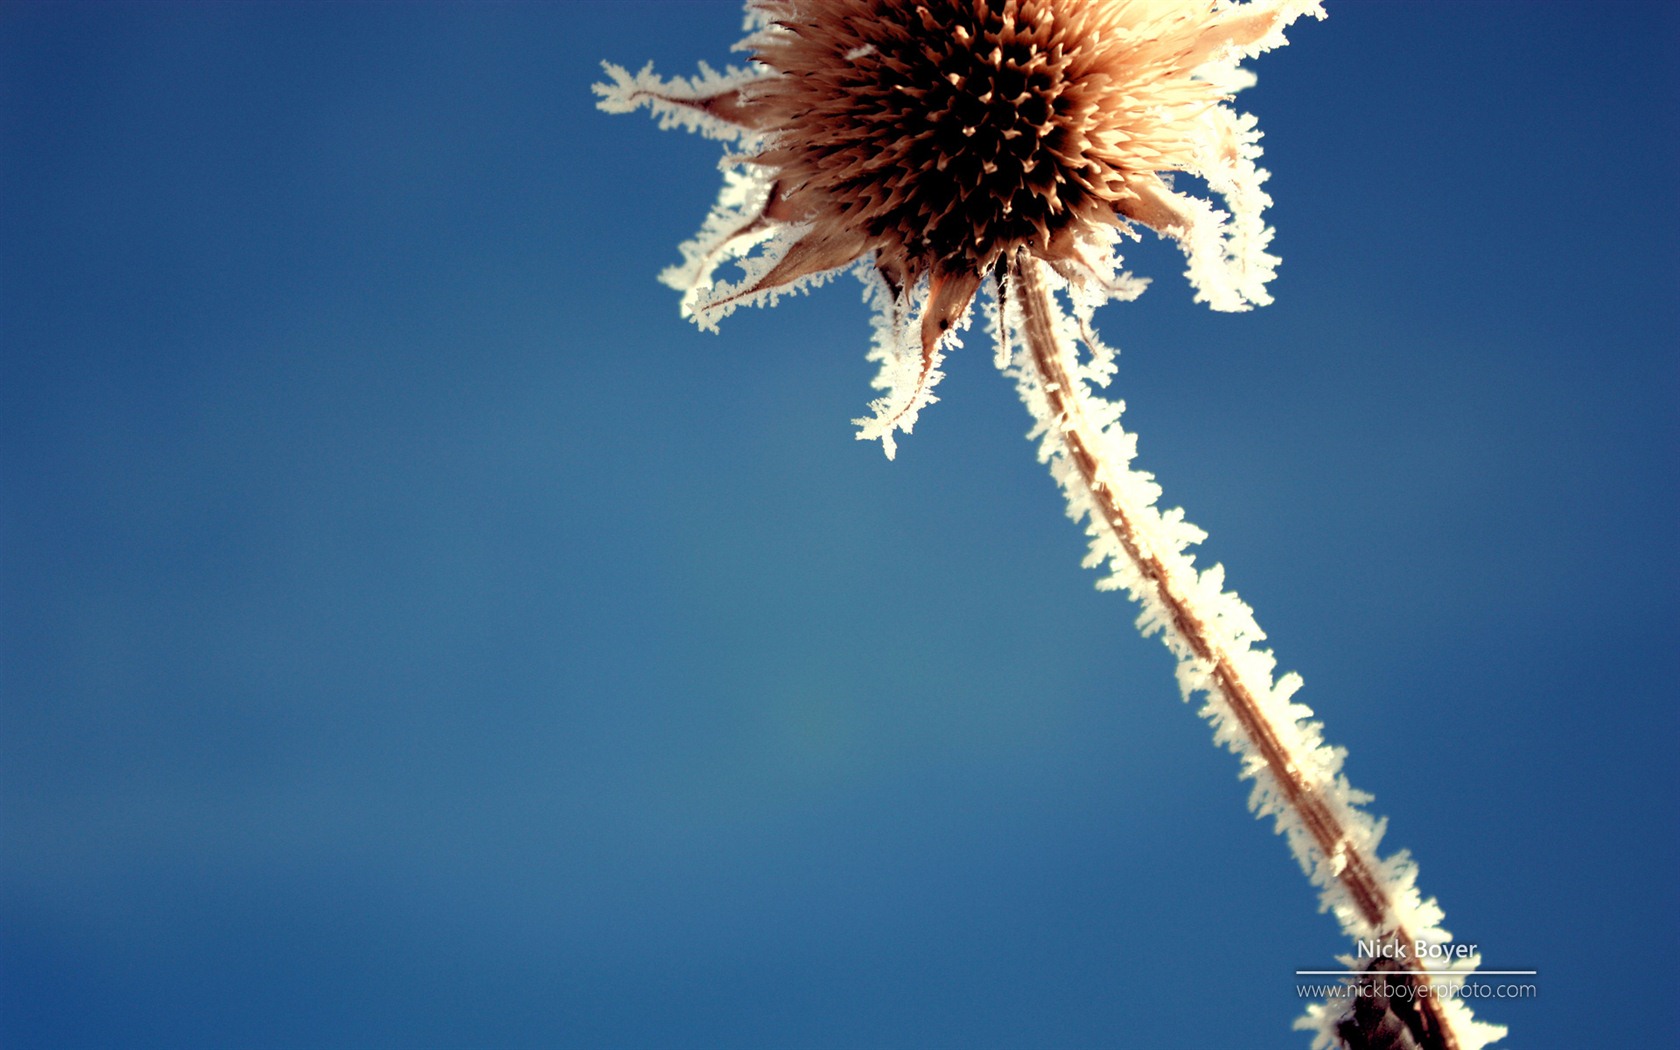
(947, 131)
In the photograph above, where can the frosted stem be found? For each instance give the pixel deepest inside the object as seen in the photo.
(1078, 440)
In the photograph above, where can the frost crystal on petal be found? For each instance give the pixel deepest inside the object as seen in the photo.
(704, 103)
(908, 370)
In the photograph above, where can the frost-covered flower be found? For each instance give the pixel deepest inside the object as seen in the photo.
(940, 147)
(926, 141)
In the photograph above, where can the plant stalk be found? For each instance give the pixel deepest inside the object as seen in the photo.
(1024, 283)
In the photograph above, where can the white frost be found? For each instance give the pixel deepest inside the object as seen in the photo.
(678, 101)
(906, 378)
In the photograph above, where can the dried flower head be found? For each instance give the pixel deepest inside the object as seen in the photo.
(938, 146)
(930, 139)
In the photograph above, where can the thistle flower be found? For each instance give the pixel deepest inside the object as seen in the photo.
(930, 141)
(937, 148)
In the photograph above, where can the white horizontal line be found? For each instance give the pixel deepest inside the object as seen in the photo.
(1424, 973)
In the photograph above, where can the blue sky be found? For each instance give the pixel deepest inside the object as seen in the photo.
(413, 633)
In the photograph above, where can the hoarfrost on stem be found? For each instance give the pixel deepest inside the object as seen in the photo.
(944, 149)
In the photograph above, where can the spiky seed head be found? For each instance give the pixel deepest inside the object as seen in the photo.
(949, 132)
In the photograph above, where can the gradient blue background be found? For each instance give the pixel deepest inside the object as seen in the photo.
(415, 634)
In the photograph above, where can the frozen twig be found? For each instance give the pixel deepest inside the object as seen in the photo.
(1296, 775)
